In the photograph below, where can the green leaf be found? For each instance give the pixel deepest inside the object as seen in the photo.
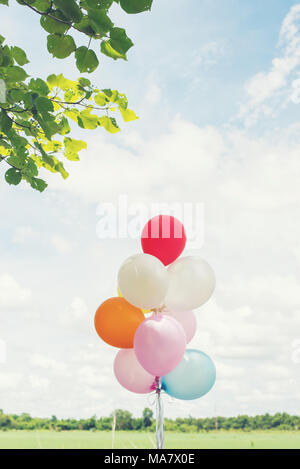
(136, 6)
(31, 168)
(16, 160)
(39, 86)
(121, 100)
(72, 147)
(70, 9)
(42, 5)
(47, 159)
(27, 99)
(4, 144)
(127, 114)
(99, 21)
(99, 3)
(49, 127)
(101, 99)
(43, 105)
(13, 176)
(60, 46)
(16, 95)
(5, 122)
(52, 26)
(86, 59)
(85, 26)
(59, 167)
(64, 126)
(72, 114)
(19, 143)
(120, 41)
(7, 58)
(60, 81)
(4, 2)
(19, 55)
(38, 184)
(16, 74)
(84, 81)
(86, 120)
(118, 44)
(108, 92)
(107, 49)
(110, 124)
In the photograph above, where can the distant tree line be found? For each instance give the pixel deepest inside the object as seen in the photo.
(125, 421)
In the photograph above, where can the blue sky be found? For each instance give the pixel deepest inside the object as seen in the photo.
(201, 52)
(216, 86)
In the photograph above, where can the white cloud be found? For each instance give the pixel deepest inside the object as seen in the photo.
(207, 55)
(77, 313)
(61, 244)
(95, 377)
(269, 290)
(38, 382)
(157, 158)
(12, 294)
(153, 92)
(267, 85)
(38, 360)
(22, 234)
(28, 235)
(295, 92)
(9, 380)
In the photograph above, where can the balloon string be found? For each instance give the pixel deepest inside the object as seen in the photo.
(159, 415)
(158, 399)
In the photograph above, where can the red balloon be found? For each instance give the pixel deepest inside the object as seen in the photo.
(164, 237)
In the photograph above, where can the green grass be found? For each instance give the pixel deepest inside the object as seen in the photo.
(214, 440)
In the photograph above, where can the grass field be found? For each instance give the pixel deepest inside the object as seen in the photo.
(95, 440)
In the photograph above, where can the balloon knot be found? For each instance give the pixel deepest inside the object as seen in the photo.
(159, 310)
(157, 385)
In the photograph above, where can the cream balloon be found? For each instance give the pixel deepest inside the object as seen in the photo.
(143, 281)
(192, 282)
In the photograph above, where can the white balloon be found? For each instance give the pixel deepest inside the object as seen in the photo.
(143, 280)
(192, 282)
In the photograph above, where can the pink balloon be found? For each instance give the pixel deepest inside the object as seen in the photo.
(188, 322)
(159, 344)
(130, 374)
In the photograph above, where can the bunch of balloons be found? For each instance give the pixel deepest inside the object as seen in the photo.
(152, 321)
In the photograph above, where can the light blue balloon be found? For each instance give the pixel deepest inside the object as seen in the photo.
(192, 378)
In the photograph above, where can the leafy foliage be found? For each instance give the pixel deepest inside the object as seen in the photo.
(60, 18)
(35, 115)
(35, 118)
(125, 421)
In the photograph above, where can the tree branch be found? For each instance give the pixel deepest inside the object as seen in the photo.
(79, 103)
(68, 23)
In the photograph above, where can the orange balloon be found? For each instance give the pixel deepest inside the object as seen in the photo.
(116, 321)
